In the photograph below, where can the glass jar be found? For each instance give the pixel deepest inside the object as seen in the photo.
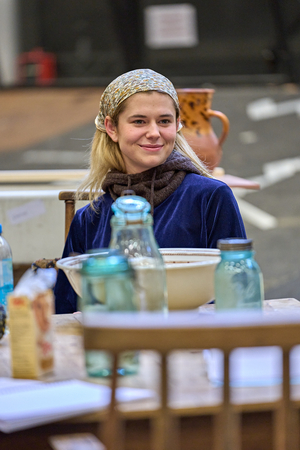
(132, 234)
(238, 278)
(107, 285)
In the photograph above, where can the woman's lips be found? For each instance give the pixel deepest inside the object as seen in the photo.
(151, 148)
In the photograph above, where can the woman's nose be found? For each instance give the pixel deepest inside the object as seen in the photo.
(153, 130)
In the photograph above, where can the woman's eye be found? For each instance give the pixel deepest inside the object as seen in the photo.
(138, 121)
(165, 121)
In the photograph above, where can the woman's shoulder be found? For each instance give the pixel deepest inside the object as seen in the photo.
(200, 183)
(99, 206)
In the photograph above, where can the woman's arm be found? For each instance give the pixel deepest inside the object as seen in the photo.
(65, 296)
(224, 219)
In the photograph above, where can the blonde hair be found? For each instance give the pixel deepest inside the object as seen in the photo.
(105, 155)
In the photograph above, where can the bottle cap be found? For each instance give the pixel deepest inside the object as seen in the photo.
(105, 262)
(131, 209)
(234, 244)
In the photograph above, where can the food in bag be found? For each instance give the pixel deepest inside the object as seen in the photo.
(30, 308)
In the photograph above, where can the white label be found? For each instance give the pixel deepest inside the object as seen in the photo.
(26, 212)
(168, 26)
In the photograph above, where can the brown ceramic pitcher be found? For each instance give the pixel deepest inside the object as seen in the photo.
(195, 112)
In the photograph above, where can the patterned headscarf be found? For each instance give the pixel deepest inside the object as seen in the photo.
(140, 80)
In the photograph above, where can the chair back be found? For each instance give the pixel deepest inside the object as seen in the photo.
(70, 204)
(185, 330)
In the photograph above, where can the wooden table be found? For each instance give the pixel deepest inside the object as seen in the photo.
(190, 388)
(234, 181)
(238, 182)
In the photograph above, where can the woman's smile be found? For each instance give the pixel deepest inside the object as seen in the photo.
(151, 148)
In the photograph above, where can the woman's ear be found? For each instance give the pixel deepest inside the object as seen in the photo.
(111, 128)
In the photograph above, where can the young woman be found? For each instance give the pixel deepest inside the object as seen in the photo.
(138, 145)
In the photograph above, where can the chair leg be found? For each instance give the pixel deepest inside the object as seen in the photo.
(113, 436)
(286, 434)
(165, 427)
(226, 425)
(165, 433)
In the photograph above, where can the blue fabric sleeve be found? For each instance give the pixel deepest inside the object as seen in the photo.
(223, 216)
(65, 296)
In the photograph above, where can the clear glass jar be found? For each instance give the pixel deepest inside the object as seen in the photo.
(238, 278)
(132, 234)
(107, 285)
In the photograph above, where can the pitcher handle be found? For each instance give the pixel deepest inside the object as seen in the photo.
(225, 121)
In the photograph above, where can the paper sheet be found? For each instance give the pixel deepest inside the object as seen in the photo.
(29, 403)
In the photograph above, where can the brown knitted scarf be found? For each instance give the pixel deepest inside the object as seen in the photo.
(155, 184)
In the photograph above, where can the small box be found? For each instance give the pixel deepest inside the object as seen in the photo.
(31, 334)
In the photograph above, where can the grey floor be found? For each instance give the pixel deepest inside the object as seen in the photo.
(263, 144)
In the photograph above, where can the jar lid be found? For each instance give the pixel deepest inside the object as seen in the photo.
(131, 208)
(234, 244)
(105, 262)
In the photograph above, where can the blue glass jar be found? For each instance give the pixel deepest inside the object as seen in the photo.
(107, 285)
(238, 278)
(132, 234)
(6, 271)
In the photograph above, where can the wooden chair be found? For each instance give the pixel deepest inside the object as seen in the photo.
(69, 198)
(191, 330)
(70, 205)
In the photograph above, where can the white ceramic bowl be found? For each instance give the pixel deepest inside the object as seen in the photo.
(190, 275)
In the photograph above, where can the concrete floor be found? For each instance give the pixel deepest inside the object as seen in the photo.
(52, 129)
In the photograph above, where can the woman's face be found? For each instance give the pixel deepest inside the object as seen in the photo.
(146, 130)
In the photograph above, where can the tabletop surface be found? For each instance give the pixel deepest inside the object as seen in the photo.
(238, 182)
